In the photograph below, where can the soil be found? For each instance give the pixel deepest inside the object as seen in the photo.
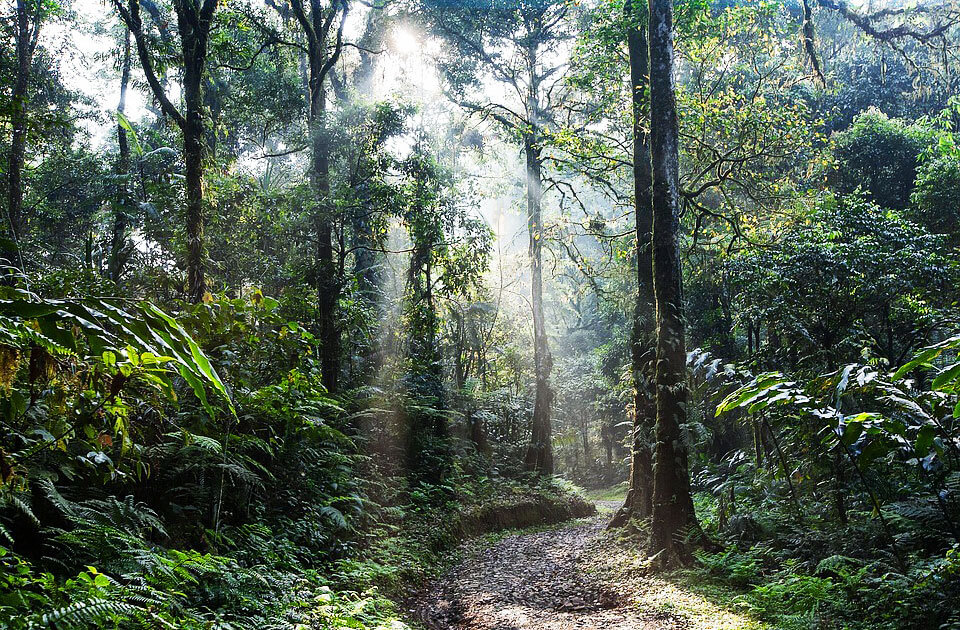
(544, 580)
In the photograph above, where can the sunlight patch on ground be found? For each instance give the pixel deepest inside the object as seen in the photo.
(663, 597)
(673, 601)
(614, 493)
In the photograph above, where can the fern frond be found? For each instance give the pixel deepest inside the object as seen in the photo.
(67, 508)
(86, 613)
(24, 508)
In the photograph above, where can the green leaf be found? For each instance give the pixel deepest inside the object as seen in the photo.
(851, 433)
(947, 377)
(925, 440)
(110, 331)
(200, 360)
(752, 392)
(126, 126)
(875, 450)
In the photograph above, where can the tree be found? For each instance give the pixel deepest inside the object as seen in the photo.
(880, 156)
(672, 506)
(29, 19)
(935, 201)
(843, 278)
(639, 496)
(194, 22)
(317, 21)
(118, 241)
(530, 33)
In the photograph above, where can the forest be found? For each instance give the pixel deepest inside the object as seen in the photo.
(480, 314)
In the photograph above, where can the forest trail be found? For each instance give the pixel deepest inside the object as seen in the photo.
(546, 580)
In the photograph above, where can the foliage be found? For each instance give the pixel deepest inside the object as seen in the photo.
(879, 156)
(165, 464)
(849, 278)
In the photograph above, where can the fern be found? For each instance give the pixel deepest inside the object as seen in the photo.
(126, 515)
(238, 472)
(65, 507)
(16, 501)
(202, 441)
(86, 613)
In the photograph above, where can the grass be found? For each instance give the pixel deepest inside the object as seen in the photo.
(613, 493)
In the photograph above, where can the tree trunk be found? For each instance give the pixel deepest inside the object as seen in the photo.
(639, 496)
(194, 30)
(478, 434)
(440, 428)
(193, 24)
(26, 39)
(367, 262)
(539, 456)
(585, 438)
(672, 514)
(193, 140)
(316, 28)
(118, 244)
(328, 285)
(370, 42)
(194, 145)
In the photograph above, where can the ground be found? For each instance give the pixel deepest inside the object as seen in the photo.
(575, 576)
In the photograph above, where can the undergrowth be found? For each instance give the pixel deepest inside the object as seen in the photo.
(827, 577)
(142, 488)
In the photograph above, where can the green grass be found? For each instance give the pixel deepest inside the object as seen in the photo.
(613, 493)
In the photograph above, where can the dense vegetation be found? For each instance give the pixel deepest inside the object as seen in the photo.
(296, 295)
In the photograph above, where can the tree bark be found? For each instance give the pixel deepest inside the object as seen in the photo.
(193, 38)
(26, 44)
(367, 263)
(328, 281)
(370, 42)
(638, 502)
(316, 25)
(118, 243)
(193, 23)
(539, 456)
(672, 514)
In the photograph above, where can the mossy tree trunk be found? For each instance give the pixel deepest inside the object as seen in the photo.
(639, 496)
(194, 22)
(317, 23)
(27, 33)
(673, 516)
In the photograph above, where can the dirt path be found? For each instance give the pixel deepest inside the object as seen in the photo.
(541, 581)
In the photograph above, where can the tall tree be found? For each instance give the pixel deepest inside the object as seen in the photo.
(539, 456)
(518, 45)
(118, 242)
(425, 219)
(672, 506)
(317, 20)
(639, 496)
(194, 21)
(29, 17)
(368, 47)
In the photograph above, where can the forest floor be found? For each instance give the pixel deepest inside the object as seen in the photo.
(573, 576)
